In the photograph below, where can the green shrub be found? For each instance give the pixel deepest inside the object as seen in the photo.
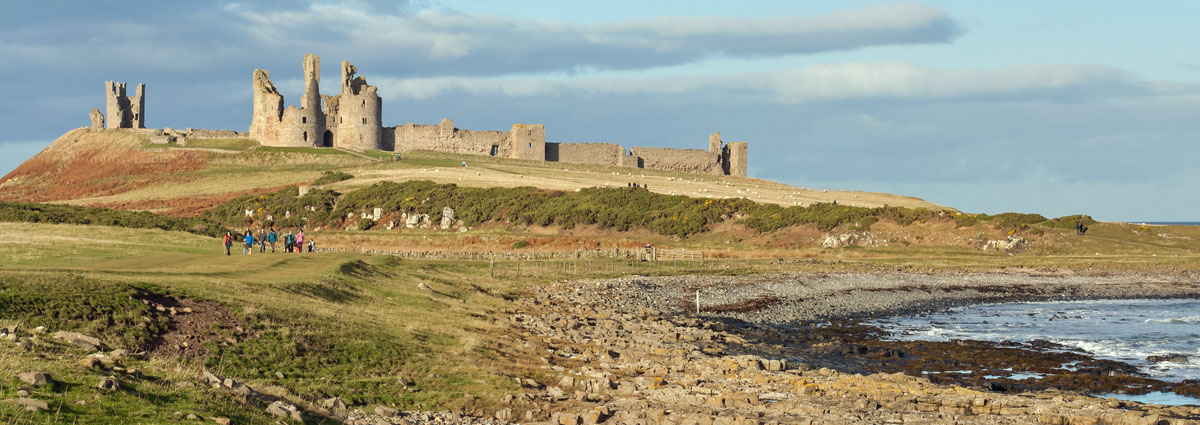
(520, 244)
(365, 224)
(68, 214)
(311, 209)
(1069, 221)
(332, 177)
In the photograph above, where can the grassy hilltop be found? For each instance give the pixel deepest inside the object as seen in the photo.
(81, 253)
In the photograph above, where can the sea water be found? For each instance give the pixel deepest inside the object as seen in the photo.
(1124, 330)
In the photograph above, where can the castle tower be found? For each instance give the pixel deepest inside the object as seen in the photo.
(121, 110)
(528, 141)
(714, 143)
(268, 109)
(734, 158)
(274, 125)
(312, 119)
(357, 113)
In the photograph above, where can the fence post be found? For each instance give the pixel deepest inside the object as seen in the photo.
(492, 266)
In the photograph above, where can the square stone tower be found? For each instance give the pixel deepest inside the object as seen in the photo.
(528, 141)
(121, 110)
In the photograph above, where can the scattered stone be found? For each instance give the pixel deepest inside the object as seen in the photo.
(109, 384)
(37, 379)
(79, 340)
(334, 403)
(222, 421)
(89, 362)
(32, 405)
(22, 393)
(386, 411)
(118, 355)
(282, 409)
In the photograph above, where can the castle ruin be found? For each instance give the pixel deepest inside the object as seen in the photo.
(352, 120)
(124, 111)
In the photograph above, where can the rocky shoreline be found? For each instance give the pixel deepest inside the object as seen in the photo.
(790, 349)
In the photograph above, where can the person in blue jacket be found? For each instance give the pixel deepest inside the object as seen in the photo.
(248, 238)
(272, 238)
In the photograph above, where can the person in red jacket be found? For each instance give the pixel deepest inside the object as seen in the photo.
(228, 241)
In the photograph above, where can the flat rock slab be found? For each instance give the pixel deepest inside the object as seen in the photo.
(79, 340)
(37, 379)
(31, 404)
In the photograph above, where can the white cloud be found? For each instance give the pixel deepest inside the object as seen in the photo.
(453, 43)
(849, 81)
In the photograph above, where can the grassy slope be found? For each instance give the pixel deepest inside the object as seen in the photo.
(334, 324)
(233, 166)
(350, 325)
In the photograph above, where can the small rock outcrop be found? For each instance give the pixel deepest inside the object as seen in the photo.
(1170, 358)
(447, 218)
(37, 379)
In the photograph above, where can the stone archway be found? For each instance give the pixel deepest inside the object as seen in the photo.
(327, 139)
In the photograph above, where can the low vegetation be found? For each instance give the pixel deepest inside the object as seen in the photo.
(68, 214)
(329, 177)
(620, 209)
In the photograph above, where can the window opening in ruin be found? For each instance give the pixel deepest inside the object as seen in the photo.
(303, 120)
(364, 120)
(327, 139)
(305, 136)
(364, 102)
(531, 144)
(495, 150)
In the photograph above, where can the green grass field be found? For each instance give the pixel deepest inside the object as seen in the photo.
(345, 325)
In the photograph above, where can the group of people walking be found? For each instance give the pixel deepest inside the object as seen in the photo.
(292, 242)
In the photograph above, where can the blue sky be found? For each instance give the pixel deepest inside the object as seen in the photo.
(1048, 107)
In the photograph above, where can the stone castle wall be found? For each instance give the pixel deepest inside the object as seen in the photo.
(588, 153)
(687, 160)
(445, 138)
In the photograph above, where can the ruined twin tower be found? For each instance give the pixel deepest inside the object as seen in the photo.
(122, 111)
(349, 120)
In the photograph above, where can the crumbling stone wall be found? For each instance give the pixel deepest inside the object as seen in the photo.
(97, 119)
(586, 153)
(446, 138)
(124, 111)
(687, 160)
